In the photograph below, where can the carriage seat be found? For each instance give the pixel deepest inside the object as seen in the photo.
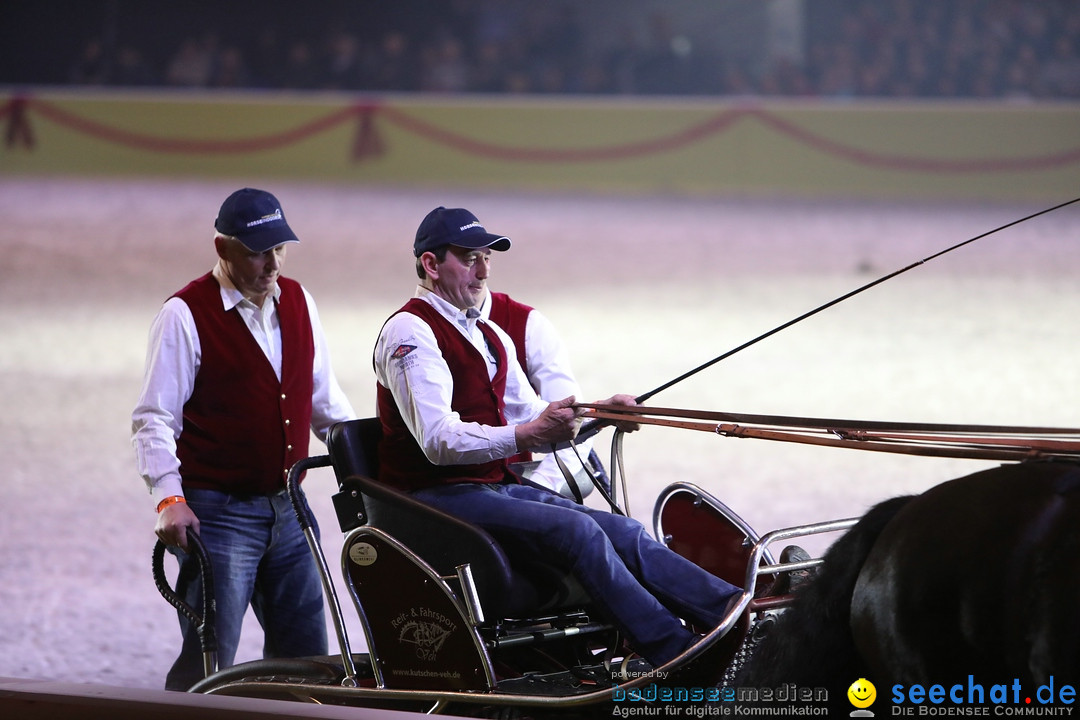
(508, 588)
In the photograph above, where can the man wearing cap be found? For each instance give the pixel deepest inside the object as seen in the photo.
(237, 376)
(454, 403)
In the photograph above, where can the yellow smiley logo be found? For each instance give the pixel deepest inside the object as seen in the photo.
(862, 693)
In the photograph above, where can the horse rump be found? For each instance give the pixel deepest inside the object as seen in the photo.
(977, 577)
(975, 580)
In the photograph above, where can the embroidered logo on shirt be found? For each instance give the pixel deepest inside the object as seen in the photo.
(402, 351)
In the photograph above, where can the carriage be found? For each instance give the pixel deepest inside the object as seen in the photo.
(454, 625)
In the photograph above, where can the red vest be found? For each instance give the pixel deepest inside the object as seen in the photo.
(476, 398)
(243, 429)
(512, 317)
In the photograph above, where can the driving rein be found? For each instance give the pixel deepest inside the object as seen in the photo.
(983, 442)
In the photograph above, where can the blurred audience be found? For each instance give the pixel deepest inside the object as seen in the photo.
(194, 62)
(853, 48)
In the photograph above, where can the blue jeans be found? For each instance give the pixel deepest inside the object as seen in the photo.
(258, 556)
(642, 586)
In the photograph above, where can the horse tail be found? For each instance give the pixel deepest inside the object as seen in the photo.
(811, 643)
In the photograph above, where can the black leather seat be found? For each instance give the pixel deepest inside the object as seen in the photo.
(508, 588)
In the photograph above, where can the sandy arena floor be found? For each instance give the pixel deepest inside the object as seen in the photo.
(643, 289)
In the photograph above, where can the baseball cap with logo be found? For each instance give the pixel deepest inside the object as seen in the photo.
(455, 226)
(254, 218)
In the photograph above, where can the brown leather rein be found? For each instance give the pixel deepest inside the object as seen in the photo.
(982, 442)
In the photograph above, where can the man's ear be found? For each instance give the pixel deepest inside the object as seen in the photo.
(430, 263)
(220, 244)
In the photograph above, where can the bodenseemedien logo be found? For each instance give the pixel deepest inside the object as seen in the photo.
(862, 695)
(785, 700)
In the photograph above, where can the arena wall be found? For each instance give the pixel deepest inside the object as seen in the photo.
(954, 150)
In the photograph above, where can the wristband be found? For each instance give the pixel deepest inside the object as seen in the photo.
(169, 501)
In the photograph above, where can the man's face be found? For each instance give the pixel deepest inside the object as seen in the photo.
(253, 274)
(461, 279)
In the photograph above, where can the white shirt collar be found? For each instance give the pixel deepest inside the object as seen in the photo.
(485, 308)
(447, 310)
(230, 296)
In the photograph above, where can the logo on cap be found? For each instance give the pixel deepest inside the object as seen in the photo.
(276, 215)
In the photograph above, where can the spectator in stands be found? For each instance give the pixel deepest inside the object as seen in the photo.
(193, 62)
(92, 66)
(230, 71)
(300, 72)
(131, 69)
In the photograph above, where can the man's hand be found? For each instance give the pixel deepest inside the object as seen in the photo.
(624, 425)
(556, 424)
(172, 525)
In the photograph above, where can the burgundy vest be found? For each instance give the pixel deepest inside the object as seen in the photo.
(512, 317)
(243, 428)
(476, 398)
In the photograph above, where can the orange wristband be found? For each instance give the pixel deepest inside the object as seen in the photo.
(169, 501)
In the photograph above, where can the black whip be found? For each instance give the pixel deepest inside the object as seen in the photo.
(204, 621)
(592, 427)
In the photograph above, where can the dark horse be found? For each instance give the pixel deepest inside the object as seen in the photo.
(976, 580)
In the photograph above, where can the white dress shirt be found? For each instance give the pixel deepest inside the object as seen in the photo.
(172, 362)
(423, 386)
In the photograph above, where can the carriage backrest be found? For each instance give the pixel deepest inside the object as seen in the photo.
(353, 448)
(440, 539)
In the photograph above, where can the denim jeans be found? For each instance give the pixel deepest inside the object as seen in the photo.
(641, 585)
(258, 556)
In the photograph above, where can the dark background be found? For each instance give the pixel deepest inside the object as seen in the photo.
(842, 48)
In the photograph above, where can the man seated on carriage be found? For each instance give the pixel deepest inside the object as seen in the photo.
(454, 404)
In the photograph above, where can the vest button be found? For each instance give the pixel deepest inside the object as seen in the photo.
(288, 421)
(289, 448)
(282, 396)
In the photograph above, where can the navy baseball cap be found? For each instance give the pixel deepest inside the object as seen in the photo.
(458, 227)
(254, 218)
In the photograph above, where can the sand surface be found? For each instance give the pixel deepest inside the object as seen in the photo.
(642, 288)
